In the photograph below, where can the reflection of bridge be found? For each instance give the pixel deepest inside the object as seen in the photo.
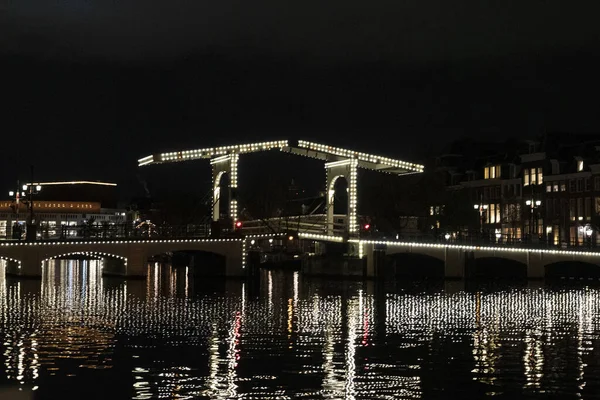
(521, 326)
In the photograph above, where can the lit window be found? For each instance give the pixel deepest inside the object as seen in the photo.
(548, 187)
(555, 187)
(532, 179)
(580, 165)
(540, 176)
(491, 172)
(526, 178)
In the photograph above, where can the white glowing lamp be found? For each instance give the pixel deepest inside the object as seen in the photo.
(11, 193)
(528, 202)
(38, 187)
(24, 187)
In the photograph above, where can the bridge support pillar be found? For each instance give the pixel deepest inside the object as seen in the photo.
(227, 164)
(30, 266)
(374, 258)
(234, 265)
(114, 267)
(13, 268)
(454, 263)
(535, 265)
(347, 169)
(367, 253)
(136, 265)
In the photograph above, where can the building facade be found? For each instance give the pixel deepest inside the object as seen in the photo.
(61, 209)
(545, 191)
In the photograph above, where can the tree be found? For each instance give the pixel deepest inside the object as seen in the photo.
(458, 213)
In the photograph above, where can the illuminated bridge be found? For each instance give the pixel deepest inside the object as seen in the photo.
(339, 163)
(363, 256)
(127, 258)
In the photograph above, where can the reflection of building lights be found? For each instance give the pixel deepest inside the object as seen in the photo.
(352, 311)
(506, 329)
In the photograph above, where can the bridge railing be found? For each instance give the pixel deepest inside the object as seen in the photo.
(122, 231)
(316, 223)
(489, 241)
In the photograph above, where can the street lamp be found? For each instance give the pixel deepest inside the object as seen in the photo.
(447, 236)
(16, 205)
(481, 208)
(26, 197)
(533, 204)
(530, 202)
(588, 231)
(31, 190)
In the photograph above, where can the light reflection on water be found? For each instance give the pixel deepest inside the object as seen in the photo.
(76, 334)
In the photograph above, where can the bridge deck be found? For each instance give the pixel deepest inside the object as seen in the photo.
(303, 148)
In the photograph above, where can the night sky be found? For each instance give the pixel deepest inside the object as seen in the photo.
(91, 86)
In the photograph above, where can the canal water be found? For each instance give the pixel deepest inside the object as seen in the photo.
(78, 335)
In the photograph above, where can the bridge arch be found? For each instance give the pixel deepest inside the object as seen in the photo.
(112, 264)
(347, 169)
(11, 265)
(95, 255)
(572, 270)
(221, 195)
(6, 258)
(338, 195)
(415, 265)
(495, 266)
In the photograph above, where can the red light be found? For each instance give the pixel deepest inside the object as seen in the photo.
(238, 224)
(367, 226)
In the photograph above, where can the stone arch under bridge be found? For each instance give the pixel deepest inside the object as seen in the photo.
(128, 258)
(338, 162)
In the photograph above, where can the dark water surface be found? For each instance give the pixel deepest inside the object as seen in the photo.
(78, 335)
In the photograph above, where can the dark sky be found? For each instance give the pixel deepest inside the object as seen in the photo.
(93, 85)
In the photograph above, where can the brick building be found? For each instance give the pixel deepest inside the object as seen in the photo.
(545, 190)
